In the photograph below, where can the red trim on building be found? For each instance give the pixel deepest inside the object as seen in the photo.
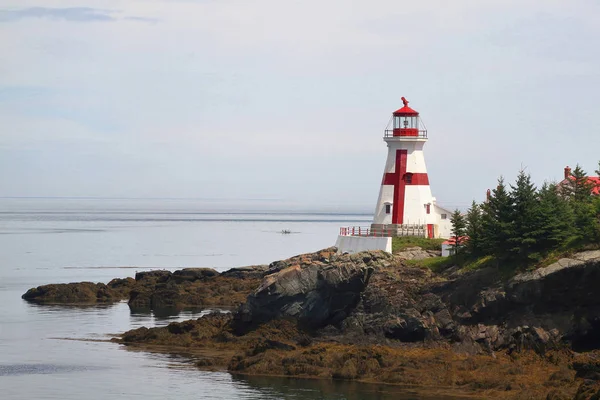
(412, 132)
(399, 187)
(419, 178)
(430, 231)
(400, 180)
(416, 179)
(389, 178)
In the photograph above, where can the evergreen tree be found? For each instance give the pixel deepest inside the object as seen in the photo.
(578, 188)
(526, 230)
(557, 218)
(497, 221)
(578, 191)
(459, 226)
(474, 230)
(598, 170)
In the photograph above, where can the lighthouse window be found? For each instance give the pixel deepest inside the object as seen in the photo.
(444, 216)
(408, 179)
(388, 208)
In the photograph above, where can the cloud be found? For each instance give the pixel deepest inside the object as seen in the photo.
(80, 14)
(73, 14)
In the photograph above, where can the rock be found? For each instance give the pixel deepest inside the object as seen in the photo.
(315, 293)
(193, 274)
(558, 394)
(588, 390)
(251, 272)
(409, 327)
(321, 257)
(80, 293)
(415, 253)
(268, 344)
(589, 369)
(154, 276)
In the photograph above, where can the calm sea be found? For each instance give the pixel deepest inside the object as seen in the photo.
(50, 352)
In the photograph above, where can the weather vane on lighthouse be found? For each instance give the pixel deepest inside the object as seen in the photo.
(405, 206)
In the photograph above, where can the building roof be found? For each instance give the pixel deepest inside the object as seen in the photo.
(406, 111)
(452, 240)
(595, 180)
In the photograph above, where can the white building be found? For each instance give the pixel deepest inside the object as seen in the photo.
(405, 206)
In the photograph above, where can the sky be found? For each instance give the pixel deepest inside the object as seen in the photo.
(287, 100)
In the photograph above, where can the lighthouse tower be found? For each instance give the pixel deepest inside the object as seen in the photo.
(405, 205)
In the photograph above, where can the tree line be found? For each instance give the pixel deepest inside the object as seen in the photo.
(522, 223)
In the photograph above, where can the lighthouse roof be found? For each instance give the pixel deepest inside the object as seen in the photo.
(406, 110)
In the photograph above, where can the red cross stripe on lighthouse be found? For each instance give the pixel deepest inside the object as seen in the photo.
(400, 179)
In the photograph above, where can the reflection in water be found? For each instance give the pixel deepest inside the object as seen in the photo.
(309, 389)
(34, 369)
(173, 313)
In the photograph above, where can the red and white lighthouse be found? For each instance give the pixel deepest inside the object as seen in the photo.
(405, 201)
(405, 206)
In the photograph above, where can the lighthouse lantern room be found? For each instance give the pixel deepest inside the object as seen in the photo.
(406, 123)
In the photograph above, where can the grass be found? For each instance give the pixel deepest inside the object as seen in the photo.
(506, 269)
(436, 264)
(403, 242)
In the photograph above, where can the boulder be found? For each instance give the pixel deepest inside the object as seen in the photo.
(193, 274)
(315, 291)
(415, 253)
(251, 272)
(153, 276)
(79, 293)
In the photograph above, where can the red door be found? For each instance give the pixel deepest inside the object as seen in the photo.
(430, 231)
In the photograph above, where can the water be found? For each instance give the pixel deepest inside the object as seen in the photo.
(61, 352)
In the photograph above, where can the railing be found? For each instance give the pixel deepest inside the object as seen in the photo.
(386, 231)
(363, 231)
(388, 133)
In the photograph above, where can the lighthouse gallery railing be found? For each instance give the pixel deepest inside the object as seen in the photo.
(388, 133)
(398, 230)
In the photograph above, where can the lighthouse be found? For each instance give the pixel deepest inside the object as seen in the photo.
(405, 201)
(405, 205)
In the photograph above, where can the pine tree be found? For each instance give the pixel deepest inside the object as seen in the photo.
(459, 226)
(497, 221)
(578, 190)
(474, 230)
(557, 218)
(526, 221)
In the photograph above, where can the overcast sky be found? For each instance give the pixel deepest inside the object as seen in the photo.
(287, 100)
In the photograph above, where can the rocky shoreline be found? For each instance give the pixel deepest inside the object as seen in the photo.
(370, 317)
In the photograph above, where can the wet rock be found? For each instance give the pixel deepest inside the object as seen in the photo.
(558, 394)
(588, 390)
(148, 277)
(79, 293)
(268, 344)
(193, 274)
